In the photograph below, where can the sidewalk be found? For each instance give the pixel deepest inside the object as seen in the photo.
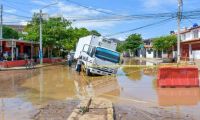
(159, 61)
(152, 60)
(24, 68)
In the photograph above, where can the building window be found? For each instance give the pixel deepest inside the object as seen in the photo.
(183, 37)
(195, 34)
(149, 51)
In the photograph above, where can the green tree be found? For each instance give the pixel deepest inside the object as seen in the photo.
(120, 47)
(57, 33)
(164, 43)
(32, 29)
(9, 33)
(133, 42)
(94, 32)
(75, 34)
(54, 33)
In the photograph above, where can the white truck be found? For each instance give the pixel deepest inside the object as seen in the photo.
(98, 55)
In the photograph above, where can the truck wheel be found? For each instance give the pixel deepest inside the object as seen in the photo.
(76, 67)
(88, 73)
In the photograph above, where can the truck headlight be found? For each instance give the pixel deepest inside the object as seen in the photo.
(115, 70)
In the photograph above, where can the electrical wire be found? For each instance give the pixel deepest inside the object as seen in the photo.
(187, 18)
(117, 17)
(19, 9)
(90, 8)
(15, 21)
(142, 16)
(130, 17)
(141, 27)
(16, 2)
(17, 15)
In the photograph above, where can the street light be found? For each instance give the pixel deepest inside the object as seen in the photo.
(179, 15)
(41, 51)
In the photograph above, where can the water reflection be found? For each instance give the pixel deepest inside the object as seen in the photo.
(11, 82)
(50, 84)
(133, 73)
(105, 85)
(97, 86)
(136, 73)
(178, 96)
(22, 91)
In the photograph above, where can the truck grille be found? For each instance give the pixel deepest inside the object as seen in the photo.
(105, 69)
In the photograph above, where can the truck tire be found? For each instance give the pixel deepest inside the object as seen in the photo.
(88, 73)
(76, 67)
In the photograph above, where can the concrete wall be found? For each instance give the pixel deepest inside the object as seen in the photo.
(196, 54)
(149, 53)
(189, 35)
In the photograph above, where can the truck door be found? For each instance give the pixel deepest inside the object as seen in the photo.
(88, 53)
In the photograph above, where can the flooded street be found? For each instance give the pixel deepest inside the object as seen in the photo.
(22, 92)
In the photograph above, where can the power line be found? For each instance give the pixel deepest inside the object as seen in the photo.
(90, 8)
(142, 16)
(18, 15)
(17, 21)
(19, 9)
(187, 18)
(19, 3)
(125, 17)
(148, 25)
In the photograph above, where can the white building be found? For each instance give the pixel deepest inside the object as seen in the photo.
(190, 43)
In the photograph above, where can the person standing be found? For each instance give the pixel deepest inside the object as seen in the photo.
(69, 60)
(78, 67)
(1, 56)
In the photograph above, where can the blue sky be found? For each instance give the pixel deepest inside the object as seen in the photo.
(122, 7)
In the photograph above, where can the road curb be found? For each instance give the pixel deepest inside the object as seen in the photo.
(24, 68)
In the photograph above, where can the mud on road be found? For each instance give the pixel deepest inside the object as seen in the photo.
(57, 110)
(61, 110)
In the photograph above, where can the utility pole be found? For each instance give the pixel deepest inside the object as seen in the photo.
(41, 51)
(1, 29)
(179, 15)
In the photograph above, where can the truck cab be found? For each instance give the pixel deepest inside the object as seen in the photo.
(100, 61)
(98, 57)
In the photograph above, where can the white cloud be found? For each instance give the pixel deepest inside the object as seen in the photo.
(121, 38)
(10, 10)
(39, 2)
(94, 24)
(70, 11)
(9, 19)
(154, 4)
(23, 22)
(35, 11)
(73, 10)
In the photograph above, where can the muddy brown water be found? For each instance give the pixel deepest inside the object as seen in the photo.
(23, 91)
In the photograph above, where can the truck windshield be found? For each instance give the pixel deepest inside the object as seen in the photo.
(108, 55)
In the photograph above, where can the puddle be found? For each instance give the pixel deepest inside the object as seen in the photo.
(21, 92)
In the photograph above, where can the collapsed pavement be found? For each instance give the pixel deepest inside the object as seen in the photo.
(93, 109)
